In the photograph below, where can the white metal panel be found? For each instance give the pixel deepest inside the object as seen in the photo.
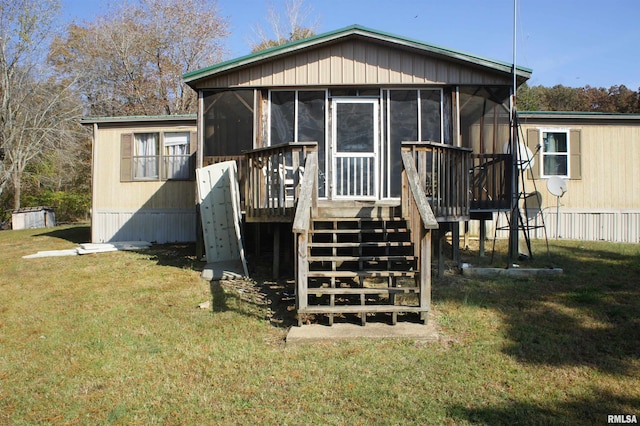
(219, 198)
(619, 226)
(156, 225)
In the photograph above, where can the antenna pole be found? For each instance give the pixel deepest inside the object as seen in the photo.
(515, 187)
(515, 15)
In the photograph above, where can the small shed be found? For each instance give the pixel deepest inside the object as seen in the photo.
(33, 217)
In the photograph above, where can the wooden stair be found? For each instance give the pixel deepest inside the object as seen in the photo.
(362, 266)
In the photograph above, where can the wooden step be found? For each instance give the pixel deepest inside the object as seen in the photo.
(364, 290)
(361, 274)
(357, 309)
(340, 215)
(399, 258)
(360, 231)
(364, 210)
(363, 244)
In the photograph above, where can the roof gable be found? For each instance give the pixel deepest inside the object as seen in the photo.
(361, 37)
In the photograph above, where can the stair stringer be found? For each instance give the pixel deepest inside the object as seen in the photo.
(350, 252)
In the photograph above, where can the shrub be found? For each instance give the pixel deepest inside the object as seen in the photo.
(69, 206)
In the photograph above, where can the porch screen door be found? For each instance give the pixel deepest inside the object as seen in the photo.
(355, 148)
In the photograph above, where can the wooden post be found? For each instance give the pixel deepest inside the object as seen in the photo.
(425, 273)
(276, 251)
(483, 236)
(466, 234)
(302, 278)
(441, 236)
(455, 241)
(257, 227)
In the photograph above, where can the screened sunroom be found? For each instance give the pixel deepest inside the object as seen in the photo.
(360, 143)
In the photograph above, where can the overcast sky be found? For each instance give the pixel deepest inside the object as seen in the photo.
(569, 42)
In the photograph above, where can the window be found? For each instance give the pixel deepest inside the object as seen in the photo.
(412, 115)
(156, 156)
(554, 153)
(559, 152)
(228, 122)
(145, 156)
(176, 155)
(299, 116)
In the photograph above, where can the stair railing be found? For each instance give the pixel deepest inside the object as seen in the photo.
(307, 204)
(417, 210)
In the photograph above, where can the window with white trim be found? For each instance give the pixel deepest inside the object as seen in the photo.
(554, 153)
(176, 155)
(152, 156)
(145, 156)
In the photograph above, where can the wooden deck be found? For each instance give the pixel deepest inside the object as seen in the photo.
(363, 257)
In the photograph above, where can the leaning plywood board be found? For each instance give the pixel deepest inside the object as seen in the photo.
(219, 198)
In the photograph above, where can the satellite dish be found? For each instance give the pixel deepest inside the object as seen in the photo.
(525, 156)
(557, 186)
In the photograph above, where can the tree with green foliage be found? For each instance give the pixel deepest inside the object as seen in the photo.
(616, 99)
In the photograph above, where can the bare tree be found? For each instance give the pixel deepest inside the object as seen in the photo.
(296, 27)
(37, 113)
(131, 61)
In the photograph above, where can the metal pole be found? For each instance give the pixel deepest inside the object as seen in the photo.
(514, 220)
(557, 217)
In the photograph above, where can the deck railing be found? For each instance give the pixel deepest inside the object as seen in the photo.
(443, 171)
(490, 182)
(273, 181)
(307, 203)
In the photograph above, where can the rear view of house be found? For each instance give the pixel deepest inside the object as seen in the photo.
(364, 142)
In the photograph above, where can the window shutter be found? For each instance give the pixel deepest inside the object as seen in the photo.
(575, 160)
(533, 139)
(126, 157)
(193, 149)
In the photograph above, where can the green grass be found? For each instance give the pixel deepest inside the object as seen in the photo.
(118, 338)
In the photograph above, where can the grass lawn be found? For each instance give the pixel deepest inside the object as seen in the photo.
(118, 338)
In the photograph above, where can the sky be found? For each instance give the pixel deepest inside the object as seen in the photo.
(569, 42)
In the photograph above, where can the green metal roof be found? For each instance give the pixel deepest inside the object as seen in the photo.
(138, 118)
(578, 115)
(350, 31)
